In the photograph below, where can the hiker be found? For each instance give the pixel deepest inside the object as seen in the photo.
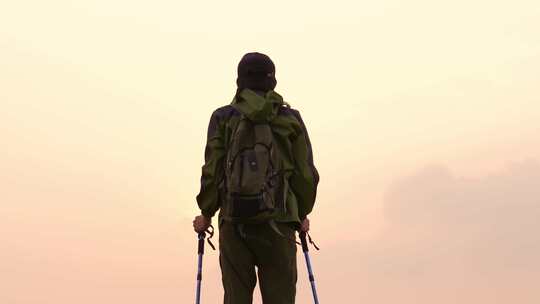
(259, 173)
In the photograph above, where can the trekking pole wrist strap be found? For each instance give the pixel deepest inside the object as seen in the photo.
(304, 242)
(202, 236)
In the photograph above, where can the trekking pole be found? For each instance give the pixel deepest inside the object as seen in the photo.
(305, 249)
(200, 252)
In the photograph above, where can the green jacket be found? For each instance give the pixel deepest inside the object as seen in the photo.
(291, 137)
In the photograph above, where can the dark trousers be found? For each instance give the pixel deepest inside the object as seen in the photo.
(243, 249)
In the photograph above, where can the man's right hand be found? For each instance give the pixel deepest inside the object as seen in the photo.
(201, 223)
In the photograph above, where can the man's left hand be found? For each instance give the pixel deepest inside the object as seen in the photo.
(304, 227)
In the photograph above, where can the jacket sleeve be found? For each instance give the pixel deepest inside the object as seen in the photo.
(305, 178)
(212, 170)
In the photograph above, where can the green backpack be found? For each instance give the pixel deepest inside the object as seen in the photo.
(255, 184)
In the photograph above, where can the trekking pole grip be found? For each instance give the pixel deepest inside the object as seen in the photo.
(303, 241)
(201, 243)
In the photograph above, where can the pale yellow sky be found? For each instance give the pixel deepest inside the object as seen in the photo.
(104, 111)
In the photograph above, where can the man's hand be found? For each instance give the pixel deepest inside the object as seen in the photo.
(304, 226)
(201, 223)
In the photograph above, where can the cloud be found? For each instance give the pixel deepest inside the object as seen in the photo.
(489, 223)
(448, 239)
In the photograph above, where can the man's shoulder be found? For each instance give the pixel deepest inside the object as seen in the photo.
(288, 111)
(225, 112)
(291, 113)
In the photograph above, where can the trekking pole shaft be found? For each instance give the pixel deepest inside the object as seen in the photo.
(308, 264)
(199, 277)
(311, 278)
(199, 268)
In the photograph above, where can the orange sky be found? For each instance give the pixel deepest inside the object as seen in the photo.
(424, 117)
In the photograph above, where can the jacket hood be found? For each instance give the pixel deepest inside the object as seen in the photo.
(258, 108)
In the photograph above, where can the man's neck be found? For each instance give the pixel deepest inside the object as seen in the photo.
(259, 92)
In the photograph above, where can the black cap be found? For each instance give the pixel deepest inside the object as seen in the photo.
(256, 71)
